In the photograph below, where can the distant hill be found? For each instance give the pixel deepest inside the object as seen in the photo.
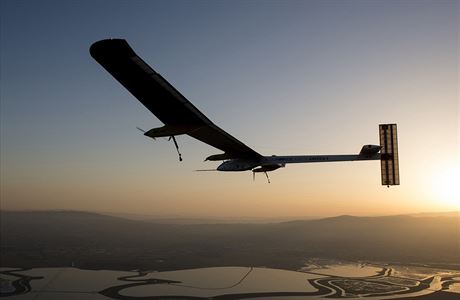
(437, 214)
(205, 220)
(89, 240)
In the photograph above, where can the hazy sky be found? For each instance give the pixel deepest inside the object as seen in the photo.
(284, 77)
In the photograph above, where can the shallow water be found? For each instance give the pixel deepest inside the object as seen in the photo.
(65, 279)
(57, 296)
(327, 280)
(455, 288)
(348, 270)
(209, 282)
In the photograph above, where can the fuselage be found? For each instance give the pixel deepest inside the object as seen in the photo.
(239, 164)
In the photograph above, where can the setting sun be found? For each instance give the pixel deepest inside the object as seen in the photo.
(445, 185)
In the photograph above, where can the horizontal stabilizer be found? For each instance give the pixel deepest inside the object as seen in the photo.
(369, 150)
(389, 154)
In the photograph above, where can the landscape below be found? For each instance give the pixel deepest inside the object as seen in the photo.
(33, 239)
(57, 254)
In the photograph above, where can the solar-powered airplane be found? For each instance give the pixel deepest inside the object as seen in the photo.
(182, 117)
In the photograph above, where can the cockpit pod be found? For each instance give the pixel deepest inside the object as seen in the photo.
(238, 165)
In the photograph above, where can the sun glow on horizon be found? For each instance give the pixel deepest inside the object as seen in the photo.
(446, 186)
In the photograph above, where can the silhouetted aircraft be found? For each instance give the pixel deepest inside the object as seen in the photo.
(182, 117)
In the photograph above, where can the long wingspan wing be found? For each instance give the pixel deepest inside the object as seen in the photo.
(161, 98)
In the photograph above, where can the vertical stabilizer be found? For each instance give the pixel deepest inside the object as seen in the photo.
(389, 154)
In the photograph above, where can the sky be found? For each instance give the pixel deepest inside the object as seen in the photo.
(284, 77)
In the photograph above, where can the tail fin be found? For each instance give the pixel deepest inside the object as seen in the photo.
(389, 154)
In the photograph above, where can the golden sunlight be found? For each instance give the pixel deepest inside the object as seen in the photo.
(446, 187)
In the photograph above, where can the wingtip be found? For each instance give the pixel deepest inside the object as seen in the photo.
(110, 47)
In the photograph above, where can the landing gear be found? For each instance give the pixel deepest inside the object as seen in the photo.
(172, 137)
(254, 176)
(177, 146)
(266, 175)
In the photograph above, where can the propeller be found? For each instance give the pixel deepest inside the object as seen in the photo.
(143, 131)
(140, 129)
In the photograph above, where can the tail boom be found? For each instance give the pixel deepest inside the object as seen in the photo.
(293, 159)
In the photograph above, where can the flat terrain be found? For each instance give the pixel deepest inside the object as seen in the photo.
(94, 241)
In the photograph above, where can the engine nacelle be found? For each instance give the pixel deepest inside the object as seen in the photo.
(268, 168)
(217, 157)
(169, 130)
(237, 165)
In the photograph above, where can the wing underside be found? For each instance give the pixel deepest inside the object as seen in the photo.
(162, 99)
